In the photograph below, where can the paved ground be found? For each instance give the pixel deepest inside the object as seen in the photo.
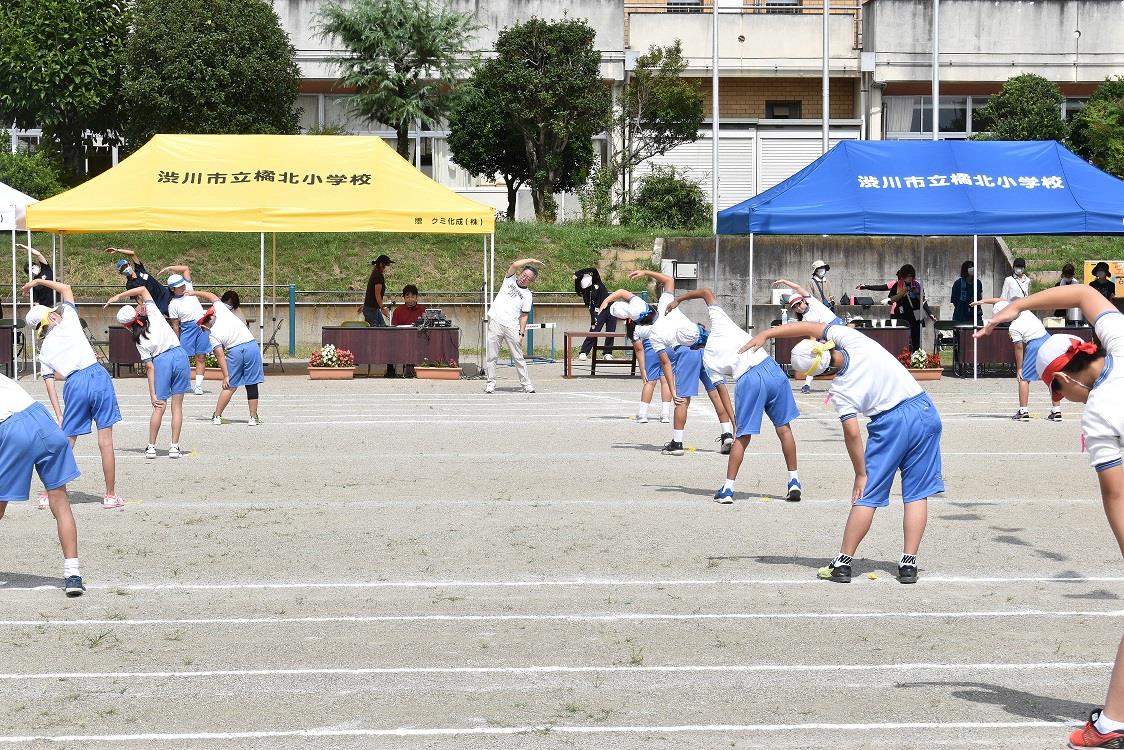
(391, 563)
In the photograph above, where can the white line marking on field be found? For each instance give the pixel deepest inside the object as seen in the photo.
(624, 617)
(564, 583)
(545, 729)
(732, 668)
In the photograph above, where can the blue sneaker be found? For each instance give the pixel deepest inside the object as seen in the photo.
(73, 586)
(793, 495)
(805, 388)
(724, 496)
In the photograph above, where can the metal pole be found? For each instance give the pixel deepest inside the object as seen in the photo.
(716, 263)
(491, 266)
(826, 78)
(292, 320)
(976, 294)
(751, 281)
(15, 310)
(715, 116)
(936, 69)
(261, 293)
(59, 273)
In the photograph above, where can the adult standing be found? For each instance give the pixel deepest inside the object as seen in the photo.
(137, 275)
(1017, 285)
(963, 296)
(820, 286)
(906, 300)
(588, 286)
(1068, 278)
(1101, 281)
(374, 308)
(507, 321)
(40, 269)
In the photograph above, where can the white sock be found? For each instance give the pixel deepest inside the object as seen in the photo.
(1023, 410)
(907, 560)
(643, 409)
(794, 475)
(808, 380)
(198, 380)
(677, 435)
(70, 567)
(727, 427)
(667, 406)
(728, 485)
(1105, 725)
(1056, 408)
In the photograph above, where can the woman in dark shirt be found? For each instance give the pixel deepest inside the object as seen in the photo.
(906, 299)
(1101, 282)
(588, 286)
(962, 297)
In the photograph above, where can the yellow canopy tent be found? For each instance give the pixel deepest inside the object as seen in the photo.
(265, 183)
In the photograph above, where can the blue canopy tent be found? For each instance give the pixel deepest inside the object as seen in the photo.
(910, 188)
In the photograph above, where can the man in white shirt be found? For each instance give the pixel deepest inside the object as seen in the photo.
(507, 321)
(31, 440)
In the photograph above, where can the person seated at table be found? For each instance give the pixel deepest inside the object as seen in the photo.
(962, 295)
(408, 313)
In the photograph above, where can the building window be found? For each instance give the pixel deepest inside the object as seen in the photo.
(1072, 107)
(782, 110)
(782, 6)
(684, 6)
(912, 116)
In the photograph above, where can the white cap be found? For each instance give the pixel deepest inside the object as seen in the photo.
(36, 315)
(126, 315)
(811, 357)
(1056, 352)
(175, 280)
(634, 309)
(817, 264)
(998, 306)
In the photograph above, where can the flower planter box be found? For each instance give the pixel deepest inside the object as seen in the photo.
(926, 373)
(331, 373)
(212, 373)
(438, 373)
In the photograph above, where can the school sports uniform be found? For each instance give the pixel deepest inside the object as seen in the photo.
(1103, 421)
(675, 333)
(243, 358)
(188, 310)
(762, 387)
(29, 437)
(88, 392)
(1028, 330)
(161, 347)
(653, 369)
(904, 433)
(818, 312)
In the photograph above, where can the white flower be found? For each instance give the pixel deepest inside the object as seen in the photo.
(918, 359)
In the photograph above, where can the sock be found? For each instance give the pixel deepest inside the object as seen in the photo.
(677, 435)
(727, 427)
(794, 475)
(728, 485)
(643, 409)
(908, 560)
(70, 567)
(667, 406)
(841, 559)
(1056, 409)
(808, 380)
(1105, 725)
(198, 380)
(1023, 410)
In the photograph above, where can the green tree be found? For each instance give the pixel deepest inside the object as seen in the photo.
(1097, 132)
(208, 66)
(60, 70)
(550, 91)
(32, 174)
(658, 110)
(1027, 108)
(404, 58)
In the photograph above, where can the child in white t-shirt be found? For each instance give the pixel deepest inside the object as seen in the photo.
(1027, 334)
(186, 310)
(1091, 374)
(808, 309)
(904, 433)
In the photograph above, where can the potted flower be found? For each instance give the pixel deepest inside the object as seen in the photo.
(921, 364)
(330, 363)
(438, 370)
(211, 363)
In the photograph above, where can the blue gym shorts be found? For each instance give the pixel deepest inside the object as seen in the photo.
(88, 396)
(30, 438)
(906, 438)
(1030, 356)
(763, 389)
(244, 364)
(653, 370)
(687, 366)
(194, 339)
(173, 375)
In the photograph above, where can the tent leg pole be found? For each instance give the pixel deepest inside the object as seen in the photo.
(716, 264)
(15, 309)
(60, 272)
(976, 294)
(749, 323)
(261, 294)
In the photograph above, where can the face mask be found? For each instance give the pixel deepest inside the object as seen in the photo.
(1020, 271)
(35, 270)
(587, 281)
(820, 273)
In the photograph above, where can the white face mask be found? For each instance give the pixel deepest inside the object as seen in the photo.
(820, 273)
(35, 270)
(1020, 271)
(587, 281)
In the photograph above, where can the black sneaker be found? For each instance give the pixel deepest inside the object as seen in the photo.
(73, 586)
(1055, 416)
(793, 494)
(1021, 416)
(727, 441)
(836, 573)
(907, 573)
(673, 448)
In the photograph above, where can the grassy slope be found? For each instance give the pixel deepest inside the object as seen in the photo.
(326, 261)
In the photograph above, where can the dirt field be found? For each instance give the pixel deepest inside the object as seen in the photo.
(394, 563)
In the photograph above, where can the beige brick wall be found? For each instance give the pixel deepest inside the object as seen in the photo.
(746, 97)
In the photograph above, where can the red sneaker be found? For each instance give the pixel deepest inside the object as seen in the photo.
(1088, 736)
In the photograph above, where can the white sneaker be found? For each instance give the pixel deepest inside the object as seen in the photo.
(44, 502)
(150, 452)
(490, 388)
(109, 502)
(255, 421)
(642, 418)
(198, 390)
(216, 419)
(609, 357)
(582, 357)
(174, 451)
(528, 388)
(665, 419)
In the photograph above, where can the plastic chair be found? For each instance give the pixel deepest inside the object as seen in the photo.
(273, 346)
(22, 353)
(95, 343)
